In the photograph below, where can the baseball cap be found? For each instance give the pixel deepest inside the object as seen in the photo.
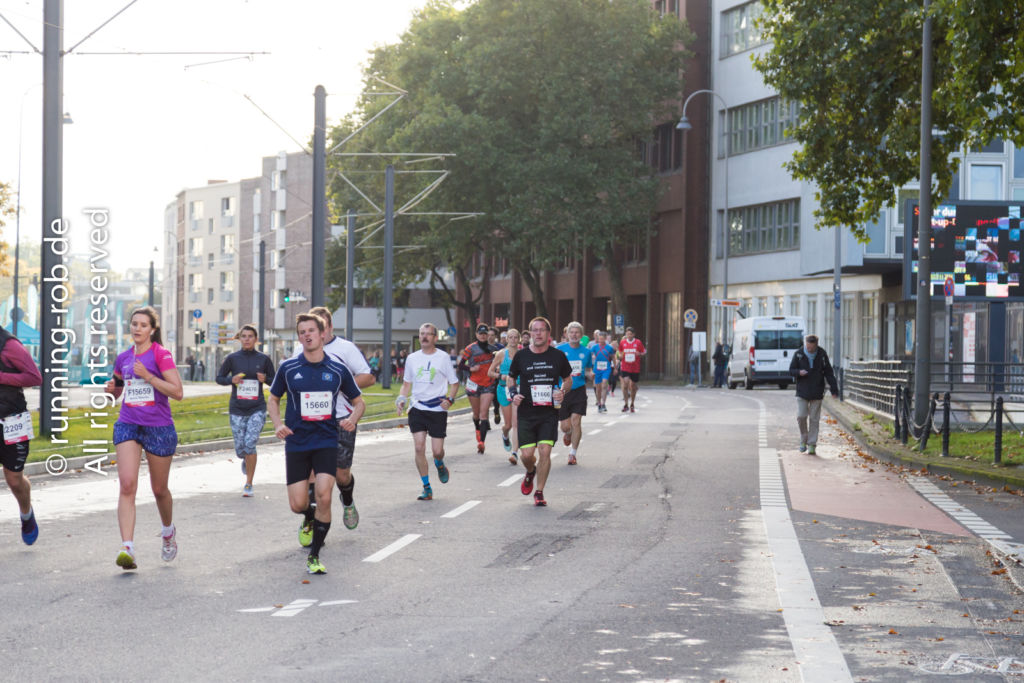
(482, 328)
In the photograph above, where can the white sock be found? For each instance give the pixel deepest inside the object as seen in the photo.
(572, 451)
(24, 517)
(166, 531)
(129, 545)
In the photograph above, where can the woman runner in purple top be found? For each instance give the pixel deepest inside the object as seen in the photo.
(147, 377)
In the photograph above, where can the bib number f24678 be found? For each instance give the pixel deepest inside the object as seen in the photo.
(316, 406)
(248, 390)
(540, 394)
(17, 427)
(138, 393)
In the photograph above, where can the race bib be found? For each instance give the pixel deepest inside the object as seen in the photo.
(471, 385)
(630, 356)
(248, 390)
(17, 427)
(540, 394)
(577, 367)
(138, 393)
(602, 365)
(508, 394)
(315, 406)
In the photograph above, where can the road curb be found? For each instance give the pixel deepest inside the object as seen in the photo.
(990, 475)
(57, 464)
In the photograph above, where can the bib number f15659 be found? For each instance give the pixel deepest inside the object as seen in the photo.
(138, 393)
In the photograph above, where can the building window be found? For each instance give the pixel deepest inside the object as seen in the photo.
(757, 125)
(195, 246)
(766, 227)
(849, 320)
(210, 261)
(666, 150)
(811, 314)
(195, 209)
(209, 296)
(986, 182)
(794, 305)
(227, 244)
(227, 281)
(227, 207)
(997, 146)
(739, 32)
(876, 236)
(663, 7)
(227, 316)
(1018, 161)
(868, 326)
(901, 203)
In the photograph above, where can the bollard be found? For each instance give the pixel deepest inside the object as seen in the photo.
(945, 425)
(927, 431)
(905, 436)
(896, 414)
(998, 459)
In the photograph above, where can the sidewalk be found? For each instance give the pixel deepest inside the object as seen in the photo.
(876, 438)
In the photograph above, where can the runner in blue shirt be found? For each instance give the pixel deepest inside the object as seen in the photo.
(604, 360)
(315, 383)
(574, 406)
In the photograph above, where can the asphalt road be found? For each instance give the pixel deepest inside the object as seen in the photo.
(692, 542)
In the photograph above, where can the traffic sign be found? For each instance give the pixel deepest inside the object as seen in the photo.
(197, 314)
(451, 330)
(690, 318)
(619, 321)
(728, 303)
(947, 287)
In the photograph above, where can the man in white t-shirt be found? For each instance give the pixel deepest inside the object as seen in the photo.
(431, 380)
(348, 354)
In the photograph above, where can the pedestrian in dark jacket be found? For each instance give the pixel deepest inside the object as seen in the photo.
(811, 368)
(721, 359)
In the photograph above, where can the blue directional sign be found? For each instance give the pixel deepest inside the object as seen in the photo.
(197, 314)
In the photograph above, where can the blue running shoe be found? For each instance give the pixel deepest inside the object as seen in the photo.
(29, 528)
(442, 471)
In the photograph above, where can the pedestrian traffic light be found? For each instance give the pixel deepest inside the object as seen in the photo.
(287, 295)
(202, 336)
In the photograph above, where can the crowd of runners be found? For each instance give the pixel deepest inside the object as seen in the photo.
(535, 387)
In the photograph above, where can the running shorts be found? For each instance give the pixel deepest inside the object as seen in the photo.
(298, 464)
(162, 441)
(433, 422)
(573, 403)
(246, 431)
(538, 429)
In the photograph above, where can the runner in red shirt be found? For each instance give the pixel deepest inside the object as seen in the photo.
(477, 358)
(631, 350)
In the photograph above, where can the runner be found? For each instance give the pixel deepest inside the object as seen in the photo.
(631, 350)
(347, 353)
(246, 371)
(315, 383)
(148, 377)
(17, 371)
(613, 380)
(496, 342)
(499, 370)
(543, 373)
(604, 362)
(431, 380)
(480, 387)
(574, 405)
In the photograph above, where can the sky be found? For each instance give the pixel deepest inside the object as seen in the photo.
(145, 127)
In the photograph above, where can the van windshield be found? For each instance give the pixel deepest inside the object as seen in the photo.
(774, 340)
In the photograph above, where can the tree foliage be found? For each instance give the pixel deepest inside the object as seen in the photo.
(543, 104)
(855, 68)
(7, 209)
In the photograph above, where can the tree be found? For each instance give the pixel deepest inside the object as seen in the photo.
(7, 209)
(543, 104)
(855, 69)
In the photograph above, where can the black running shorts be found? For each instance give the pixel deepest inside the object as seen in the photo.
(298, 464)
(573, 403)
(433, 422)
(537, 429)
(13, 455)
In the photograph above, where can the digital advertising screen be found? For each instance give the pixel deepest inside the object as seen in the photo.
(978, 244)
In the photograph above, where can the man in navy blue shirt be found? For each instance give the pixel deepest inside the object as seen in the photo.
(314, 382)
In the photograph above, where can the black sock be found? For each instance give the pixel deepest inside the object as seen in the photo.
(485, 426)
(320, 530)
(309, 512)
(476, 423)
(346, 491)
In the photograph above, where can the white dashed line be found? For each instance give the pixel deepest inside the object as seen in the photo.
(512, 480)
(934, 495)
(393, 548)
(459, 510)
(596, 431)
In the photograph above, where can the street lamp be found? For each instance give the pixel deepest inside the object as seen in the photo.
(684, 125)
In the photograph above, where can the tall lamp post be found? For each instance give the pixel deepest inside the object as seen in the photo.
(684, 125)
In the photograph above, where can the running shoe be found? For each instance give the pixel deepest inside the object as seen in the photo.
(538, 499)
(247, 491)
(170, 548)
(427, 494)
(567, 438)
(514, 458)
(506, 442)
(497, 417)
(810, 449)
(527, 486)
(29, 528)
(803, 447)
(632, 409)
(314, 565)
(350, 516)
(625, 408)
(306, 533)
(480, 446)
(572, 459)
(442, 471)
(125, 559)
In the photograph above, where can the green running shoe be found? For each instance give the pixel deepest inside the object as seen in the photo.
(306, 534)
(125, 560)
(350, 516)
(314, 565)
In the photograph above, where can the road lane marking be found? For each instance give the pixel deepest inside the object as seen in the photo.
(337, 602)
(293, 608)
(934, 495)
(459, 510)
(595, 431)
(512, 480)
(814, 644)
(392, 549)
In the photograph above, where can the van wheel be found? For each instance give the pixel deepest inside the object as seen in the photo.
(783, 385)
(748, 382)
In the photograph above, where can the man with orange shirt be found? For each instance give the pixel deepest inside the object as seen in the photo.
(480, 387)
(631, 350)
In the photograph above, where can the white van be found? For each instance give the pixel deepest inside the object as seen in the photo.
(762, 349)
